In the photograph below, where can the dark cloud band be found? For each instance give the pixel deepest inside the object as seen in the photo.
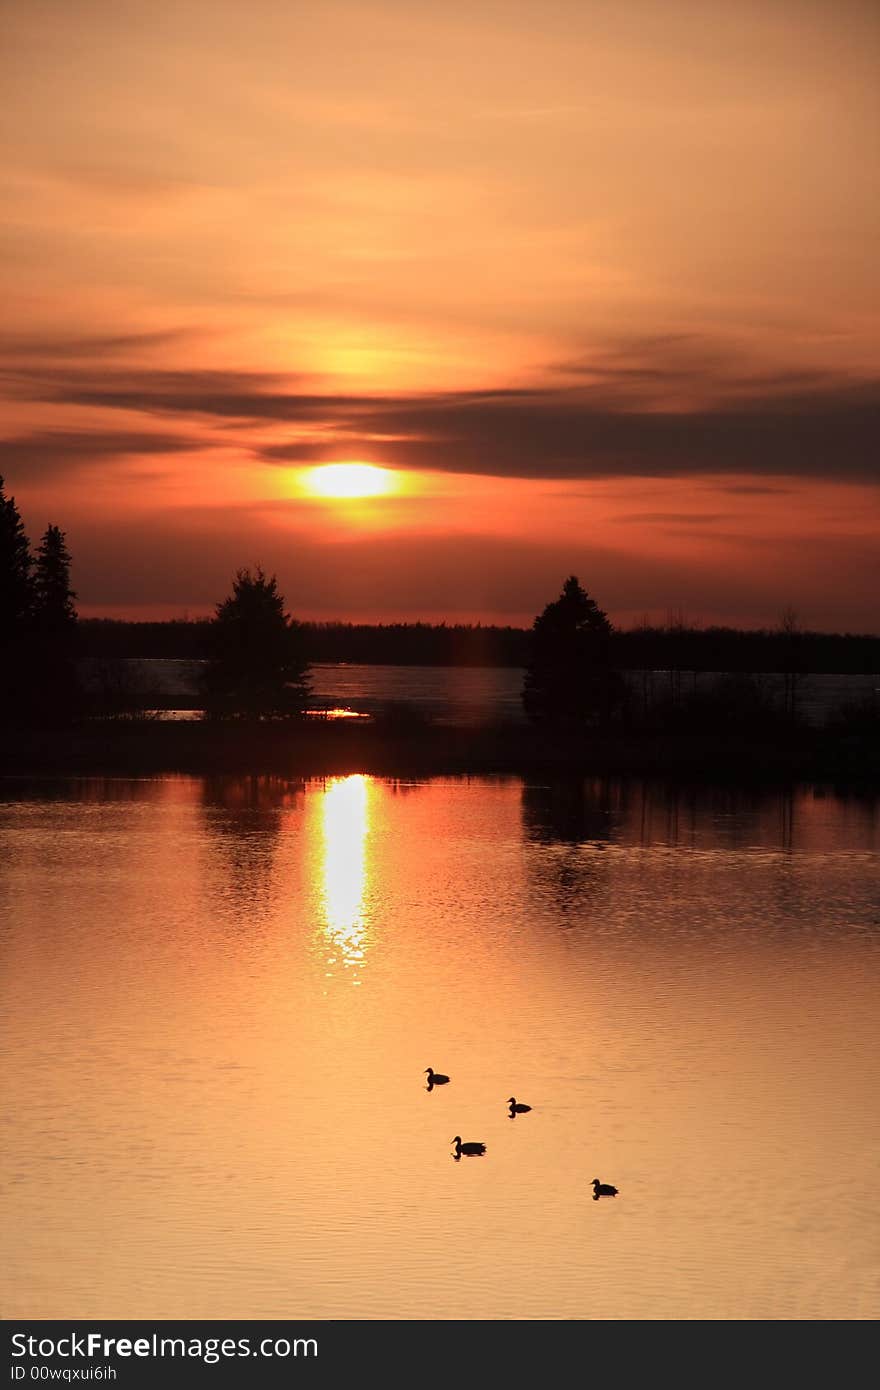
(831, 430)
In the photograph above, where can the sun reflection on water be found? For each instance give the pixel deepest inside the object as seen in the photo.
(345, 825)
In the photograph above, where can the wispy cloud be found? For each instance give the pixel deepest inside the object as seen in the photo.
(830, 431)
(24, 348)
(57, 453)
(675, 518)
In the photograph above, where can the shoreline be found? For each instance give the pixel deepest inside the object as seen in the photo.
(335, 748)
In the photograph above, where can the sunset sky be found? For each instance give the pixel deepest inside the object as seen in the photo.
(596, 279)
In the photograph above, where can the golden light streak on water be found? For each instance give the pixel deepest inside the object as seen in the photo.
(345, 823)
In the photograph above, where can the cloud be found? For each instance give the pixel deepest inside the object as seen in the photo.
(755, 489)
(24, 347)
(678, 518)
(582, 432)
(238, 394)
(55, 453)
(830, 433)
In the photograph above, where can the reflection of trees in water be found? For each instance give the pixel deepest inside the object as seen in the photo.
(577, 816)
(263, 797)
(572, 810)
(243, 818)
(696, 815)
(741, 852)
(395, 786)
(99, 790)
(710, 816)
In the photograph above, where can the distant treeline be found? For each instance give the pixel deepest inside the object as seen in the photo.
(677, 647)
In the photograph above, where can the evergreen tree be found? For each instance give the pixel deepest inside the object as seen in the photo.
(568, 682)
(16, 579)
(38, 679)
(53, 597)
(257, 670)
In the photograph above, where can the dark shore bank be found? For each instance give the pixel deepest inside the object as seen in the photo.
(317, 748)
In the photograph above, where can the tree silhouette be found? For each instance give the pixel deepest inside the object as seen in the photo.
(257, 669)
(54, 611)
(568, 681)
(56, 696)
(16, 579)
(790, 643)
(38, 678)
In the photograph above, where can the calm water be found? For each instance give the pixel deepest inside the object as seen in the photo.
(219, 997)
(448, 694)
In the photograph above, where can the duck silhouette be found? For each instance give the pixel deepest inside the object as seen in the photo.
(603, 1189)
(435, 1078)
(471, 1150)
(516, 1108)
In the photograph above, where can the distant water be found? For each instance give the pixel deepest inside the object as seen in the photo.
(449, 694)
(219, 997)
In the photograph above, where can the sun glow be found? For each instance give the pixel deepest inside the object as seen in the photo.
(346, 824)
(350, 480)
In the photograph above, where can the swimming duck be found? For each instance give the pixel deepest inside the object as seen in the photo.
(435, 1078)
(471, 1150)
(603, 1189)
(518, 1109)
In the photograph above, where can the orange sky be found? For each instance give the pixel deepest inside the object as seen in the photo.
(597, 279)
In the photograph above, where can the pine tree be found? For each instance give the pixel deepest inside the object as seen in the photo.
(257, 670)
(16, 579)
(568, 682)
(54, 609)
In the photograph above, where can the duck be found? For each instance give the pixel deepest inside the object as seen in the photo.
(517, 1108)
(603, 1189)
(435, 1078)
(472, 1150)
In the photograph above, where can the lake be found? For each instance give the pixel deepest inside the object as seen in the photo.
(220, 996)
(445, 694)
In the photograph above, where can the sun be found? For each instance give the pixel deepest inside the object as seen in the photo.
(350, 480)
